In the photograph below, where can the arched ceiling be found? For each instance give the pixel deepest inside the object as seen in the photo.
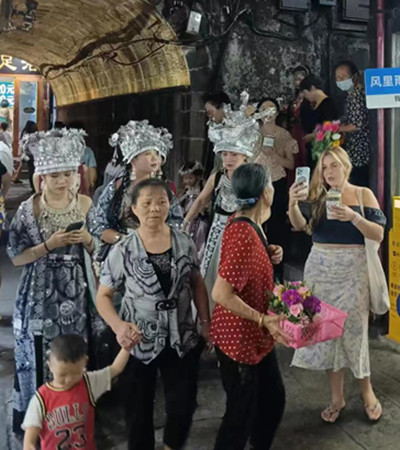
(85, 48)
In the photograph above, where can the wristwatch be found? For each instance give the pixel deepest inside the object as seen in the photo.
(117, 238)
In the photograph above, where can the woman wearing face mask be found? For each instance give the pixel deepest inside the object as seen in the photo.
(337, 270)
(234, 140)
(143, 148)
(57, 284)
(355, 121)
(276, 152)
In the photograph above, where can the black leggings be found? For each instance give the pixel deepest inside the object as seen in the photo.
(179, 376)
(255, 403)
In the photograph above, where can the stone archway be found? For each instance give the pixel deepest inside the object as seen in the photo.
(93, 49)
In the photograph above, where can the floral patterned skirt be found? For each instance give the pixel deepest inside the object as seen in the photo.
(339, 276)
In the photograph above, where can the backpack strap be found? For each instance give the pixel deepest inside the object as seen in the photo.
(256, 228)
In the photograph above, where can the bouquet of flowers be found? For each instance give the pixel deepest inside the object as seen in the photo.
(325, 136)
(295, 301)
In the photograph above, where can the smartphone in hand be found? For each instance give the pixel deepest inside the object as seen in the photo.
(74, 226)
(303, 176)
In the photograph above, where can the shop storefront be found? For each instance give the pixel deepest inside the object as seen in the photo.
(27, 94)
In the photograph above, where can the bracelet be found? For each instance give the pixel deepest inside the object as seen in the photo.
(204, 321)
(357, 219)
(261, 320)
(47, 248)
(90, 243)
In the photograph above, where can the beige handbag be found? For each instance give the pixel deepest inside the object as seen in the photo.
(378, 288)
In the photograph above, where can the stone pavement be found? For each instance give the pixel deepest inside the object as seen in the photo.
(307, 394)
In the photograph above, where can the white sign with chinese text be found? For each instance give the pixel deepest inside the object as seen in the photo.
(10, 65)
(7, 92)
(382, 88)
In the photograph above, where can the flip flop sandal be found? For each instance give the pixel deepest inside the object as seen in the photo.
(371, 412)
(331, 414)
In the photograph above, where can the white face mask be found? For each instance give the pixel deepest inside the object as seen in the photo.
(345, 85)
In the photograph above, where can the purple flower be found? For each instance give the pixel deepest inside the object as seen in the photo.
(291, 297)
(312, 304)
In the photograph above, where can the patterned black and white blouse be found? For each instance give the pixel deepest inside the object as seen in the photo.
(163, 319)
(357, 142)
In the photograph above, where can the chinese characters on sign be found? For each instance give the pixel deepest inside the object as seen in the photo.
(382, 88)
(7, 91)
(9, 64)
(385, 81)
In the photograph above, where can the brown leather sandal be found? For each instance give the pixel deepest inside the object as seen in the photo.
(374, 413)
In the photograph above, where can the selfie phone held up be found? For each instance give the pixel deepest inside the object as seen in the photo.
(303, 176)
(74, 226)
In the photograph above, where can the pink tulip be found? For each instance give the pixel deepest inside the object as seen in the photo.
(296, 310)
(320, 136)
(335, 126)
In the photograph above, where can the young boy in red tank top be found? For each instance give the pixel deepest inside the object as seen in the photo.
(61, 413)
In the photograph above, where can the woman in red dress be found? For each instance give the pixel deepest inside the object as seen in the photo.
(243, 334)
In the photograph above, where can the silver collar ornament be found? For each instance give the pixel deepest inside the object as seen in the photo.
(138, 136)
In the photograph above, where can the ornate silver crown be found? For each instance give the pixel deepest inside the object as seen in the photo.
(57, 150)
(197, 166)
(237, 133)
(138, 136)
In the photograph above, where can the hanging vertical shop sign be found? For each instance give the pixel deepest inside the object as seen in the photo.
(7, 92)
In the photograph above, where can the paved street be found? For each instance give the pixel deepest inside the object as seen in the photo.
(307, 395)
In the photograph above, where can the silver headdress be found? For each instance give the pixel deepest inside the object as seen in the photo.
(58, 150)
(138, 136)
(237, 133)
(187, 171)
(29, 144)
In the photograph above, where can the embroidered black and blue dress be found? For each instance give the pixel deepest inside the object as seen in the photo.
(55, 295)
